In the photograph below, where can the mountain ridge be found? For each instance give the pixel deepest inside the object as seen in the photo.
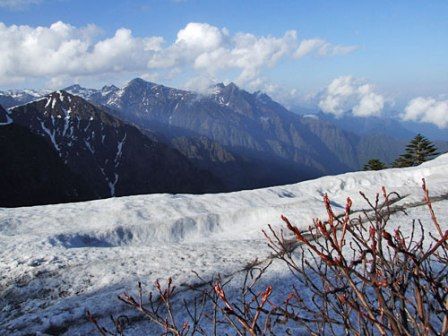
(247, 124)
(114, 157)
(32, 171)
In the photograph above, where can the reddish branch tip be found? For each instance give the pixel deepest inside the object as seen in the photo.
(219, 291)
(348, 205)
(266, 294)
(294, 229)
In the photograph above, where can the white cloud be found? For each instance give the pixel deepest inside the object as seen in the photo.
(201, 36)
(200, 49)
(209, 50)
(289, 98)
(61, 50)
(322, 48)
(203, 84)
(17, 4)
(345, 94)
(428, 110)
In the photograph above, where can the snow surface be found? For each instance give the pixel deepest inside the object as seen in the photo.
(58, 260)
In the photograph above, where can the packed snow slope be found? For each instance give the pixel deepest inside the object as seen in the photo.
(58, 260)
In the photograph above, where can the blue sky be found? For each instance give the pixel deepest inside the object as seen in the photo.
(397, 47)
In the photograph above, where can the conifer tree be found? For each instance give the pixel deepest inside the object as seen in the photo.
(374, 164)
(417, 151)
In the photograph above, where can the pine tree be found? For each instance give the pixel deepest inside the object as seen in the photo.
(417, 151)
(374, 164)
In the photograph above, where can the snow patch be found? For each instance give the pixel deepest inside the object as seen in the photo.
(89, 147)
(112, 185)
(51, 134)
(67, 120)
(119, 151)
(49, 99)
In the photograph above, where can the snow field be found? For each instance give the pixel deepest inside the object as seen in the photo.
(58, 260)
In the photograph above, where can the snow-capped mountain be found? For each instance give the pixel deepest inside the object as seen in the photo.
(255, 126)
(78, 90)
(92, 94)
(275, 145)
(209, 122)
(32, 171)
(245, 139)
(112, 156)
(12, 98)
(247, 124)
(251, 125)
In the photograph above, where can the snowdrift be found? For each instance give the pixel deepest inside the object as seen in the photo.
(142, 220)
(56, 260)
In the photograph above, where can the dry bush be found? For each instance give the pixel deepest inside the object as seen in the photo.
(208, 311)
(349, 275)
(364, 279)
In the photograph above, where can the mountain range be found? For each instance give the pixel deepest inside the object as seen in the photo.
(146, 138)
(111, 157)
(12, 98)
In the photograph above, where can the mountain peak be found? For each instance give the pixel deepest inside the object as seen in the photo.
(139, 82)
(262, 96)
(221, 87)
(78, 90)
(226, 90)
(64, 105)
(74, 87)
(60, 95)
(232, 86)
(109, 88)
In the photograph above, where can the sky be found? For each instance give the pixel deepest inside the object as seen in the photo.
(366, 57)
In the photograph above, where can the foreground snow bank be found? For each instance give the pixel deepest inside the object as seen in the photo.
(57, 260)
(141, 220)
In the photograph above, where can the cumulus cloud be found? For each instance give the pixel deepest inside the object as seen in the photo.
(427, 109)
(322, 48)
(345, 94)
(201, 36)
(62, 50)
(209, 49)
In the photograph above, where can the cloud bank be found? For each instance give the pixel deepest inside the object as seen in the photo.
(351, 95)
(64, 50)
(428, 110)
